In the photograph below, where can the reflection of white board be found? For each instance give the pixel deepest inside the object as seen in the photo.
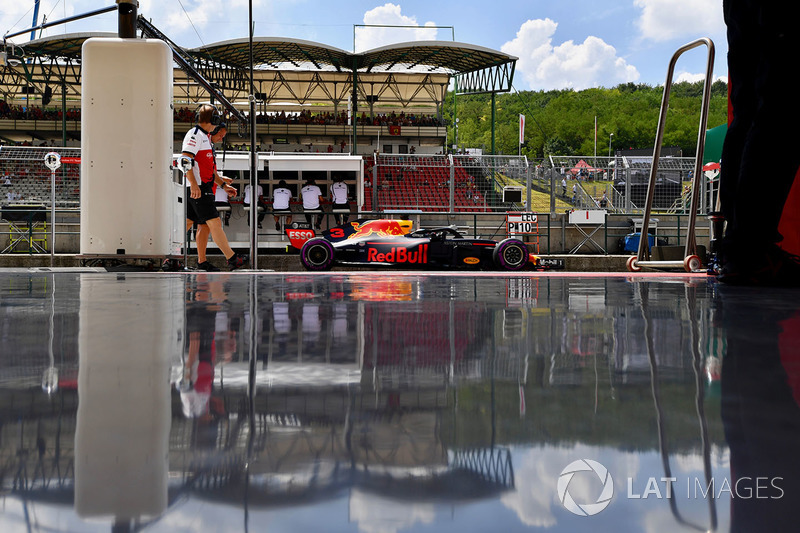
(587, 216)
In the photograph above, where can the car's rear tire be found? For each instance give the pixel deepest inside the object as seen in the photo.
(317, 254)
(510, 254)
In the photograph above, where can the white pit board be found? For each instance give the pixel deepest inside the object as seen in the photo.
(587, 216)
(522, 223)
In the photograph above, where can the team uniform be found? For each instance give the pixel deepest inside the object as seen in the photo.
(311, 194)
(339, 196)
(221, 199)
(198, 143)
(281, 196)
(280, 200)
(248, 200)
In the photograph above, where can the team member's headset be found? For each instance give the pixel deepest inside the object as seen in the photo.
(185, 163)
(216, 118)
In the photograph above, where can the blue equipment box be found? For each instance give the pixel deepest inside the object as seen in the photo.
(632, 242)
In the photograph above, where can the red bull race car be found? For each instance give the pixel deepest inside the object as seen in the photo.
(393, 242)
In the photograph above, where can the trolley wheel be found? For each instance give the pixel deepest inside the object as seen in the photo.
(692, 263)
(631, 264)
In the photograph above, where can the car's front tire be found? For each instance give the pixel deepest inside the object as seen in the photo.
(317, 254)
(510, 254)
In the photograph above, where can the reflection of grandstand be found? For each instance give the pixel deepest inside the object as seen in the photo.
(451, 340)
(303, 445)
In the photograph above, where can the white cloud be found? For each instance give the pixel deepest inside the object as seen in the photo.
(375, 514)
(662, 20)
(591, 63)
(390, 15)
(692, 78)
(688, 76)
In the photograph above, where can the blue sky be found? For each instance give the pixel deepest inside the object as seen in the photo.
(560, 44)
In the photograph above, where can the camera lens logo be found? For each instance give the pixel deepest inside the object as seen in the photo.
(585, 509)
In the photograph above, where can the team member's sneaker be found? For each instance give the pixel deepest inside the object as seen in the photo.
(208, 267)
(237, 261)
(773, 268)
(277, 226)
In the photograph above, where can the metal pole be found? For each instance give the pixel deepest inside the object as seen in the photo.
(528, 185)
(35, 16)
(354, 96)
(60, 21)
(63, 113)
(494, 94)
(52, 216)
(253, 165)
(127, 18)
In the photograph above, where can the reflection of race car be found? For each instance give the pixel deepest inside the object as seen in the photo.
(391, 242)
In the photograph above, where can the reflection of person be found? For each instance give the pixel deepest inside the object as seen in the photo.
(761, 42)
(202, 177)
(761, 411)
(312, 197)
(281, 196)
(211, 341)
(340, 198)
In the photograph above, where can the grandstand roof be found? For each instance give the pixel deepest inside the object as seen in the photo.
(273, 52)
(398, 75)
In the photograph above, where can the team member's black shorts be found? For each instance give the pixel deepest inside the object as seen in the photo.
(202, 209)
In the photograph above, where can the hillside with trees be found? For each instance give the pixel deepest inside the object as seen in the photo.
(562, 122)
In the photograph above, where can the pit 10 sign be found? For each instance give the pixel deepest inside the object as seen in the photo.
(522, 223)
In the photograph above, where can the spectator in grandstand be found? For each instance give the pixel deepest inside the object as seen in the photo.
(340, 198)
(202, 177)
(563, 186)
(574, 192)
(761, 43)
(604, 201)
(312, 198)
(261, 205)
(281, 197)
(7, 179)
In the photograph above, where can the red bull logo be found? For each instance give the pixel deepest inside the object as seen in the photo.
(399, 255)
(380, 228)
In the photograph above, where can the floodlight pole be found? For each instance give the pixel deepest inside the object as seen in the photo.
(253, 162)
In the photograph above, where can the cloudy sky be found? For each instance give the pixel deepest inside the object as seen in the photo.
(563, 44)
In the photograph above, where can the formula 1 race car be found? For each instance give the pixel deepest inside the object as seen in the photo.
(392, 242)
